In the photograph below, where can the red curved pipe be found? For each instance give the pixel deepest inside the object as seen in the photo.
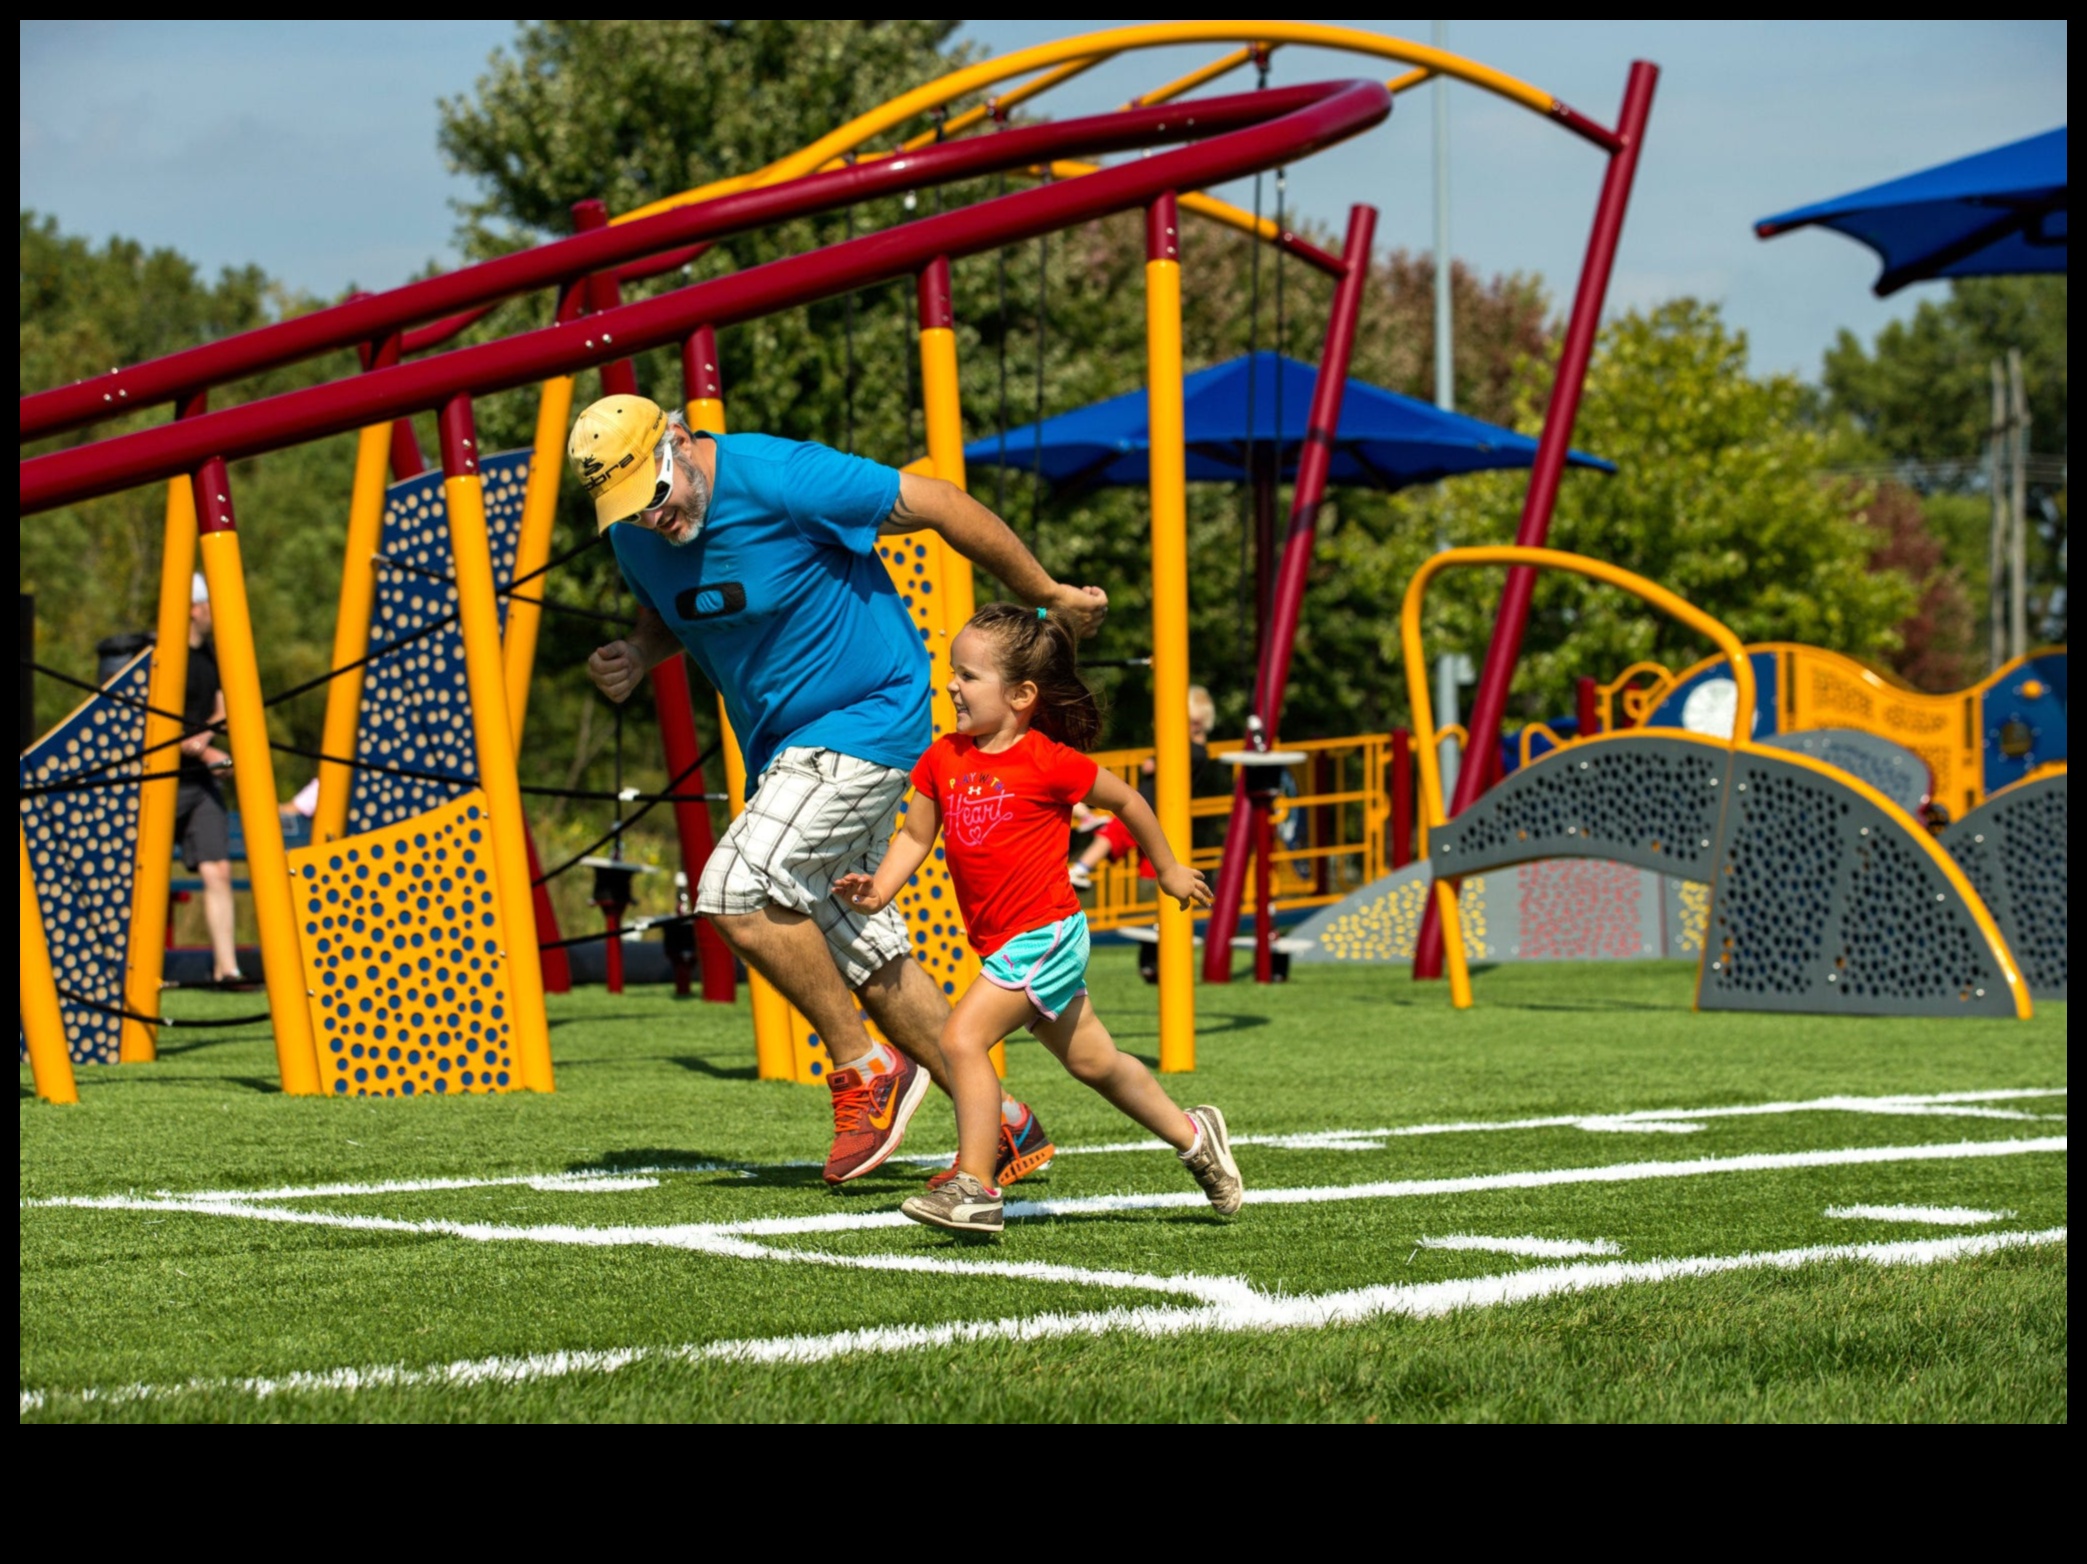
(369, 317)
(63, 477)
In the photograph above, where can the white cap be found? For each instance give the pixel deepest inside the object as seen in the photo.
(198, 589)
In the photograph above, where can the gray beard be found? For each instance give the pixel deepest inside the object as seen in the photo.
(698, 508)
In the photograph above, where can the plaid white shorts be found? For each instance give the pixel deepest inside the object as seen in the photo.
(816, 816)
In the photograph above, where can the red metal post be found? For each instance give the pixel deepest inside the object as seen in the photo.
(1334, 112)
(612, 947)
(1312, 117)
(1313, 465)
(1401, 798)
(1264, 904)
(700, 381)
(1587, 700)
(1551, 450)
(557, 965)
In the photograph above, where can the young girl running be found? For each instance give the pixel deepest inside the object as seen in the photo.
(1000, 791)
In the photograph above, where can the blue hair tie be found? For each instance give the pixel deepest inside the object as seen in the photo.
(1043, 613)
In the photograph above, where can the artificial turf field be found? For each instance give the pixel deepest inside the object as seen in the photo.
(653, 1241)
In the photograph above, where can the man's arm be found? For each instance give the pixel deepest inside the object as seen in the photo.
(941, 507)
(619, 667)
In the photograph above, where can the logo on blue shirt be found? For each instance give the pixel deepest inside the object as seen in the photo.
(710, 602)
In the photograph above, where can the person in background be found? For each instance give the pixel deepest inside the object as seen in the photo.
(1112, 839)
(202, 825)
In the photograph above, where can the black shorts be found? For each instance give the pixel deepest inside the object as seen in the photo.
(201, 825)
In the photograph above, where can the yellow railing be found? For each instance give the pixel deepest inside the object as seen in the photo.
(1342, 800)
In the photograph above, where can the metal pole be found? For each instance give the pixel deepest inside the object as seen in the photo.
(43, 1023)
(1306, 496)
(1506, 647)
(1401, 790)
(1445, 357)
(1169, 479)
(166, 690)
(1996, 541)
(253, 777)
(478, 614)
(2018, 502)
(1446, 682)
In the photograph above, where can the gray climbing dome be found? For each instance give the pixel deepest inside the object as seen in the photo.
(1825, 897)
(2012, 849)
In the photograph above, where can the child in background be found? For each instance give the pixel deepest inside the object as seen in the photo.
(1000, 791)
(1111, 838)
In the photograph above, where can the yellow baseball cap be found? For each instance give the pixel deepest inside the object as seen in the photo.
(612, 447)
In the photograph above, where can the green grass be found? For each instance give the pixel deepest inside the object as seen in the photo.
(171, 1298)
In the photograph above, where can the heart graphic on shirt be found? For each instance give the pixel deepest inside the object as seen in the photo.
(976, 803)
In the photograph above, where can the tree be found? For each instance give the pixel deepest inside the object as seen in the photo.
(1920, 397)
(1716, 499)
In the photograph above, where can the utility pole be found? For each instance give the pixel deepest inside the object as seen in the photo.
(1445, 358)
(1996, 542)
(2018, 501)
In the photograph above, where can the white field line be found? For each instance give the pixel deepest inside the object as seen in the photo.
(1252, 1312)
(719, 1237)
(1647, 1120)
(1533, 1247)
(1399, 1189)
(1938, 1216)
(699, 1238)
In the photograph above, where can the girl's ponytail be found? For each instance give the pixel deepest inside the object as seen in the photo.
(1037, 647)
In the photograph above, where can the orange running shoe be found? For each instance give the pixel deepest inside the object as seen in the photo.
(870, 1116)
(1022, 1153)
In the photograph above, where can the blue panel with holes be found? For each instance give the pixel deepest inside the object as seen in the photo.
(82, 851)
(416, 706)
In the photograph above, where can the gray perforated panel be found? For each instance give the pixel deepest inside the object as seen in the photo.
(1825, 903)
(2012, 848)
(1649, 800)
(1892, 769)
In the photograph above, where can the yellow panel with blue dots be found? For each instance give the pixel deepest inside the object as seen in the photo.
(405, 957)
(934, 582)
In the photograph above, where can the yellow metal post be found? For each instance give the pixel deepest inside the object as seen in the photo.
(43, 1025)
(943, 406)
(351, 630)
(478, 614)
(533, 547)
(1169, 478)
(774, 1055)
(166, 692)
(253, 777)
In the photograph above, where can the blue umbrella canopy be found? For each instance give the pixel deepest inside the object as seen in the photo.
(1993, 214)
(1385, 441)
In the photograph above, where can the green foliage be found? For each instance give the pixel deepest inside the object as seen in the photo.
(95, 567)
(1717, 499)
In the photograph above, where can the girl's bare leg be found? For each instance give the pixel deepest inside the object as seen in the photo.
(1083, 1045)
(982, 1017)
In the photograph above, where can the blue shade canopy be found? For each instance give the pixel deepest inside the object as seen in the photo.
(1993, 214)
(1386, 441)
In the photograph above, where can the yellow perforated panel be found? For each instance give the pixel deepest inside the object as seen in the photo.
(405, 957)
(1387, 928)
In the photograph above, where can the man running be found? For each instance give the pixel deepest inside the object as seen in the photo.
(759, 556)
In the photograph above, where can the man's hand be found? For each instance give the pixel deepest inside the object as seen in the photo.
(617, 669)
(1186, 886)
(1083, 608)
(860, 889)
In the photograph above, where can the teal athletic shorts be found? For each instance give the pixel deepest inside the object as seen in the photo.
(1048, 964)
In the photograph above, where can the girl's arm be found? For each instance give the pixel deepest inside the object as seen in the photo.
(1176, 879)
(908, 851)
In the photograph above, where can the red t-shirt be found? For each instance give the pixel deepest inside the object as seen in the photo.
(1005, 825)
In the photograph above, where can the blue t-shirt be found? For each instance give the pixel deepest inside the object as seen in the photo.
(785, 606)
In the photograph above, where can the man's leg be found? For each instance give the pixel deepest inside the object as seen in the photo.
(910, 1010)
(787, 949)
(217, 917)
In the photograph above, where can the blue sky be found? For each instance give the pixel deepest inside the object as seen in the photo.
(309, 147)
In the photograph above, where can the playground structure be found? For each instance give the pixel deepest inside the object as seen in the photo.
(1815, 891)
(398, 958)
